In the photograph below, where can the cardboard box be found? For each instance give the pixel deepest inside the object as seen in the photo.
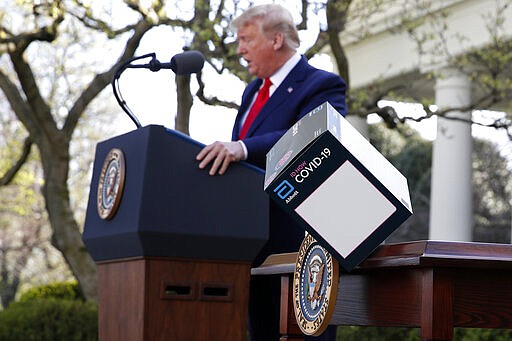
(336, 185)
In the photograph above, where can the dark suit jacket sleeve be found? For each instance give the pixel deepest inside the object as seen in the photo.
(300, 93)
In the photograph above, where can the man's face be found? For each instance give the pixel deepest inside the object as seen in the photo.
(257, 49)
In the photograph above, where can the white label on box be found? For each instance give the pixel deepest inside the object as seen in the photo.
(345, 209)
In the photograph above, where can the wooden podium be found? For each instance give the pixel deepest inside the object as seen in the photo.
(174, 258)
(433, 285)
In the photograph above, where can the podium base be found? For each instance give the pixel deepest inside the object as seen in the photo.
(152, 299)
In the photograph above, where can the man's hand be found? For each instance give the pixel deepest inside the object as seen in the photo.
(222, 154)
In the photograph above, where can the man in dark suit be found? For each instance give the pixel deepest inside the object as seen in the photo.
(287, 87)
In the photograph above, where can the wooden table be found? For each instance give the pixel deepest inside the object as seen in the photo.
(433, 285)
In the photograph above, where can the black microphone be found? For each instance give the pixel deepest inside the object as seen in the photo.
(183, 63)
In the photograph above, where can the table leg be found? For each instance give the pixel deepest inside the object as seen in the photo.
(288, 330)
(437, 305)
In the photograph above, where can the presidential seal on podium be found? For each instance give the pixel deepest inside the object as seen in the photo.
(111, 183)
(315, 287)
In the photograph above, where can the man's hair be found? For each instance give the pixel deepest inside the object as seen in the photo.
(273, 18)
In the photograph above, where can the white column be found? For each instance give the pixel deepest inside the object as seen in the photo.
(451, 208)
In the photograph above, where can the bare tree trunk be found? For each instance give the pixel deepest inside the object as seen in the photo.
(34, 112)
(66, 236)
(9, 282)
(337, 11)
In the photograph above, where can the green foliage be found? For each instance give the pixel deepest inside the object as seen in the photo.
(491, 194)
(59, 290)
(464, 334)
(49, 319)
(350, 333)
(410, 154)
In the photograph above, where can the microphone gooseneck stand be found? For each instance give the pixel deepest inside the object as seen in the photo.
(183, 63)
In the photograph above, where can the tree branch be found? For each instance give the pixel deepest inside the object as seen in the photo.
(99, 25)
(17, 102)
(11, 172)
(212, 100)
(39, 114)
(46, 33)
(102, 80)
(304, 15)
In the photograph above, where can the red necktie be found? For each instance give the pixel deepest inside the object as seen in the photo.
(262, 97)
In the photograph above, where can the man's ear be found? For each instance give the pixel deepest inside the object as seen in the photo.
(278, 41)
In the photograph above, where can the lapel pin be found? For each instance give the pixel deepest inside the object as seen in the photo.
(290, 89)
